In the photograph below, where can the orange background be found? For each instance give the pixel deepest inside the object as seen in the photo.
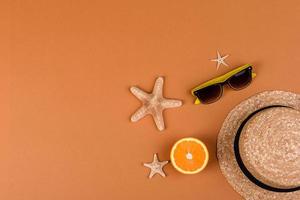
(66, 68)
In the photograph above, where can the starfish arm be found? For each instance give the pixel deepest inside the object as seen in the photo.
(140, 113)
(218, 65)
(224, 63)
(214, 60)
(163, 163)
(218, 54)
(158, 86)
(225, 56)
(159, 119)
(140, 94)
(155, 157)
(161, 172)
(147, 165)
(171, 103)
(152, 173)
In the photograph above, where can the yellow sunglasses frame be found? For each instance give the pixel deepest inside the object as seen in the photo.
(220, 79)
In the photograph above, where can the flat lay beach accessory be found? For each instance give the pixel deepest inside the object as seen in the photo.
(156, 166)
(220, 60)
(211, 91)
(258, 147)
(153, 104)
(189, 155)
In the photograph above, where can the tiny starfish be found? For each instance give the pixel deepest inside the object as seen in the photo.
(156, 166)
(153, 103)
(220, 60)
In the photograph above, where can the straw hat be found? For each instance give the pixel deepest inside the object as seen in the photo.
(258, 147)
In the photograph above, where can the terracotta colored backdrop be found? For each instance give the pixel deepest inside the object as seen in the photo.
(66, 68)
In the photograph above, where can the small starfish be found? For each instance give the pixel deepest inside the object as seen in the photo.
(220, 60)
(156, 166)
(153, 103)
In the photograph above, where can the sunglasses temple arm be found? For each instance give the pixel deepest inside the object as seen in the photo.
(197, 101)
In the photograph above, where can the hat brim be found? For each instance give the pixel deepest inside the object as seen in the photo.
(225, 144)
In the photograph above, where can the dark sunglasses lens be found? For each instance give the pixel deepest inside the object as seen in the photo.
(209, 94)
(241, 79)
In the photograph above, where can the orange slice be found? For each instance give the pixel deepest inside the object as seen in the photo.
(189, 155)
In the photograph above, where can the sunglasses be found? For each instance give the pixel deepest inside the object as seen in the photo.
(211, 91)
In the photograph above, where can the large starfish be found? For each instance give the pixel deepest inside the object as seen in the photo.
(153, 103)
